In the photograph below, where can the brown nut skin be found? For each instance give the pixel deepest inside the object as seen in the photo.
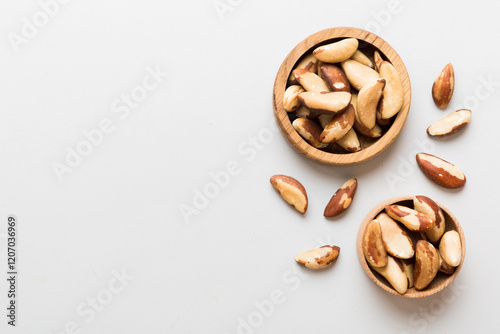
(342, 198)
(442, 89)
(310, 131)
(339, 126)
(373, 246)
(309, 63)
(311, 82)
(291, 190)
(441, 172)
(382, 121)
(426, 264)
(429, 207)
(335, 78)
(319, 258)
(412, 219)
(445, 267)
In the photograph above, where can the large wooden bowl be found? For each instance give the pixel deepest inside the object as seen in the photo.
(366, 39)
(441, 280)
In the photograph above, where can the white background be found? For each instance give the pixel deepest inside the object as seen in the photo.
(119, 209)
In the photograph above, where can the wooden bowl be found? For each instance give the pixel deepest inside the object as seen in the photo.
(441, 280)
(366, 40)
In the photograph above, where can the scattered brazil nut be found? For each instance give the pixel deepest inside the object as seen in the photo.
(392, 96)
(396, 241)
(426, 264)
(394, 274)
(309, 130)
(311, 82)
(342, 198)
(442, 89)
(368, 99)
(440, 171)
(450, 248)
(339, 125)
(373, 246)
(290, 99)
(335, 78)
(319, 258)
(338, 51)
(412, 219)
(450, 124)
(325, 103)
(429, 207)
(291, 190)
(358, 74)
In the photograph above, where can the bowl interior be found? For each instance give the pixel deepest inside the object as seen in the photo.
(441, 280)
(368, 42)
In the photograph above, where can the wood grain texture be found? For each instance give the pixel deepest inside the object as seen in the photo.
(306, 46)
(441, 280)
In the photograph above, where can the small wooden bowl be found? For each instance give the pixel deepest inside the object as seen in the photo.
(366, 39)
(441, 280)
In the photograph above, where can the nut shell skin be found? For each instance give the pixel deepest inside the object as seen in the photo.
(291, 190)
(373, 246)
(412, 219)
(440, 171)
(342, 198)
(443, 87)
(335, 78)
(426, 264)
(429, 207)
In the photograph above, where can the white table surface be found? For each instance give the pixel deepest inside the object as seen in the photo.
(104, 248)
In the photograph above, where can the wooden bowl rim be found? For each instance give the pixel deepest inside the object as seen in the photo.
(411, 293)
(281, 116)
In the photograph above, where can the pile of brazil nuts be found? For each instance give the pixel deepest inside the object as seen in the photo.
(411, 254)
(340, 100)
